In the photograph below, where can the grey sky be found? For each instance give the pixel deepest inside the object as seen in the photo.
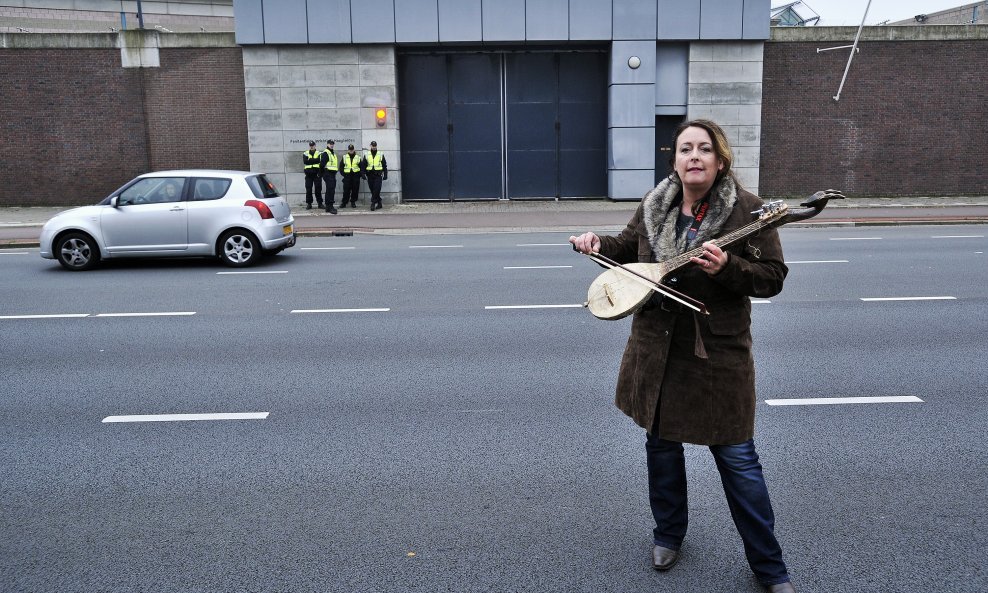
(849, 12)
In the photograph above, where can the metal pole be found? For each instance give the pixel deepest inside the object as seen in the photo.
(849, 58)
(140, 15)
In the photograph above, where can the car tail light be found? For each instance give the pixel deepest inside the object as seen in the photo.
(261, 207)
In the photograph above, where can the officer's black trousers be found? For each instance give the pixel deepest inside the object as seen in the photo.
(374, 182)
(313, 180)
(330, 181)
(351, 185)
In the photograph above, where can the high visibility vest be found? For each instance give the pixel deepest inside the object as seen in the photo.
(351, 164)
(374, 161)
(332, 164)
(307, 155)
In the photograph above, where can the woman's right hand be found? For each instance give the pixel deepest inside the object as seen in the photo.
(586, 243)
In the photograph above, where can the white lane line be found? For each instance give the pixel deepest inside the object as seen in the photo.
(185, 417)
(14, 253)
(921, 298)
(819, 261)
(822, 401)
(340, 310)
(957, 237)
(55, 316)
(258, 272)
(433, 246)
(151, 314)
(855, 238)
(542, 245)
(535, 267)
(761, 302)
(324, 248)
(533, 306)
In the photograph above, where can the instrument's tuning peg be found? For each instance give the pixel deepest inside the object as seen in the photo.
(833, 194)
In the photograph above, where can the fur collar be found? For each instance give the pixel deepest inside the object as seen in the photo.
(660, 216)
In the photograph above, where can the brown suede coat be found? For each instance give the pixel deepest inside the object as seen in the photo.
(665, 384)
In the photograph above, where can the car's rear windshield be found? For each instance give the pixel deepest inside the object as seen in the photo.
(262, 187)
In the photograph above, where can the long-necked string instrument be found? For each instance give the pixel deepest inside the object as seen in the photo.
(624, 288)
(645, 281)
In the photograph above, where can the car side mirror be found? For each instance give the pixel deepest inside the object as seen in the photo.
(115, 201)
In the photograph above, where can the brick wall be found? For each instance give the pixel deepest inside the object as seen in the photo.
(196, 110)
(911, 120)
(74, 126)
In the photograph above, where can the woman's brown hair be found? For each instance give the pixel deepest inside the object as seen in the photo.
(719, 140)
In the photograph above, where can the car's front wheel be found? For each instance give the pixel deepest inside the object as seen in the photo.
(77, 251)
(239, 248)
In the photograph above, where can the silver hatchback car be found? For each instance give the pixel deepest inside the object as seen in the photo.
(235, 215)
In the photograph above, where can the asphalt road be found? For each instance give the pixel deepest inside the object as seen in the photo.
(433, 444)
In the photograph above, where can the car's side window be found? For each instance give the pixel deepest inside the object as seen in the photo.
(209, 189)
(153, 190)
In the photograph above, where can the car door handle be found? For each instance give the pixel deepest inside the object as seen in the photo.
(176, 209)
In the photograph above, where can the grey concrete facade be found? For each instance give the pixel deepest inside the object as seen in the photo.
(301, 93)
(696, 58)
(725, 85)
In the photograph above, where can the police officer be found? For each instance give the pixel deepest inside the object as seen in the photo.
(330, 165)
(375, 168)
(351, 177)
(312, 165)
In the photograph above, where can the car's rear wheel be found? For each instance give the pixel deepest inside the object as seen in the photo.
(77, 251)
(239, 248)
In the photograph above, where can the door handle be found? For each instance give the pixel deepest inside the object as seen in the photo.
(176, 209)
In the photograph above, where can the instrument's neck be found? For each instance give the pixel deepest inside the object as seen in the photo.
(680, 261)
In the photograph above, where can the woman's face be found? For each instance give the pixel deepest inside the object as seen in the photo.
(696, 161)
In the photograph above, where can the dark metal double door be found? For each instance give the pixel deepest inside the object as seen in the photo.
(495, 125)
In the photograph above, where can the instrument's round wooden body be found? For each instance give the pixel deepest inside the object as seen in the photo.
(617, 293)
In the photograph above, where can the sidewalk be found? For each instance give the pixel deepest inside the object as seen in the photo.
(20, 226)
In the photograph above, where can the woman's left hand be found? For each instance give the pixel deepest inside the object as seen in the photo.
(712, 260)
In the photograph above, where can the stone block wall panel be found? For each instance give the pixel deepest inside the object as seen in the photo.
(322, 92)
(724, 87)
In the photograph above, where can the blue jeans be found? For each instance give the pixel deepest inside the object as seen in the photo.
(747, 497)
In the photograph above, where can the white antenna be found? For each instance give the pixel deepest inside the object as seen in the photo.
(853, 51)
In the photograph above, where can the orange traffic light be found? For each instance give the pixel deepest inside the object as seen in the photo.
(382, 117)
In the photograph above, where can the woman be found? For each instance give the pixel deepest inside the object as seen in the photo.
(690, 378)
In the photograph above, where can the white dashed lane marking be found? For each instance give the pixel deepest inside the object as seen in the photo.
(256, 272)
(187, 417)
(917, 298)
(823, 401)
(52, 316)
(159, 314)
(78, 315)
(14, 253)
(383, 310)
(958, 237)
(533, 306)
